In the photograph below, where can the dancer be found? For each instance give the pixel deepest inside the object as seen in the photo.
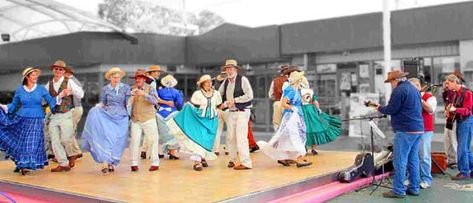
(143, 115)
(61, 127)
(288, 143)
(237, 95)
(106, 127)
(153, 73)
(166, 112)
(21, 132)
(275, 93)
(321, 128)
(196, 125)
(77, 112)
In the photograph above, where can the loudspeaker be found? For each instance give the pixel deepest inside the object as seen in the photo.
(414, 67)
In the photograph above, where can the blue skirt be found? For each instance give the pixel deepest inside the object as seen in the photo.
(105, 136)
(22, 139)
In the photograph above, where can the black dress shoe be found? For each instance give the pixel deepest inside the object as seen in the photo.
(254, 149)
(17, 170)
(24, 171)
(314, 152)
(51, 156)
(172, 157)
(143, 155)
(197, 167)
(303, 164)
(204, 163)
(161, 156)
(284, 163)
(111, 168)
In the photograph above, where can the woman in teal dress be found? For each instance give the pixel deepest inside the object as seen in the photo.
(195, 126)
(321, 128)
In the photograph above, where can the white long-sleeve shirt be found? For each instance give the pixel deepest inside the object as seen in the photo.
(76, 89)
(246, 87)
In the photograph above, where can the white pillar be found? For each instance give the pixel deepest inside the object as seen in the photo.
(387, 45)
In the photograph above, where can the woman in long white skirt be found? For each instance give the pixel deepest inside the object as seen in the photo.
(288, 143)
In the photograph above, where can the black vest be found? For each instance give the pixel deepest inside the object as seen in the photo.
(236, 93)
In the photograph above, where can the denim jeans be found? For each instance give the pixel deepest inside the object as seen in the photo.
(406, 155)
(425, 157)
(464, 155)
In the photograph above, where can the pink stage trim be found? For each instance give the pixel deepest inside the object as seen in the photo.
(327, 192)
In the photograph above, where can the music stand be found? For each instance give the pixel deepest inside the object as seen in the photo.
(381, 134)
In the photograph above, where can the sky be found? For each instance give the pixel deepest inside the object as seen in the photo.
(255, 13)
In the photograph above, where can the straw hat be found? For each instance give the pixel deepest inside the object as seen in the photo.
(203, 79)
(304, 82)
(395, 74)
(69, 69)
(221, 77)
(113, 71)
(168, 81)
(59, 64)
(139, 73)
(296, 76)
(154, 68)
(29, 70)
(230, 63)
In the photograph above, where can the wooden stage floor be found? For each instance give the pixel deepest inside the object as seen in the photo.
(176, 181)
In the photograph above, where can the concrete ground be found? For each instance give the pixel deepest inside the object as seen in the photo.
(442, 190)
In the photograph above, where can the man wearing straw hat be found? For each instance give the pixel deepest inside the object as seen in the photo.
(61, 127)
(77, 112)
(143, 115)
(237, 95)
(405, 109)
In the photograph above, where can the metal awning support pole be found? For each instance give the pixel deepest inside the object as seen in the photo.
(387, 45)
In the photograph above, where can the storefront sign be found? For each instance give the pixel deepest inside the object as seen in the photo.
(364, 71)
(345, 81)
(326, 68)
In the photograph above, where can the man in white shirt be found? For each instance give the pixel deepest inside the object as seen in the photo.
(237, 95)
(61, 128)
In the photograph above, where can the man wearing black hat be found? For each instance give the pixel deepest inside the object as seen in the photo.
(275, 93)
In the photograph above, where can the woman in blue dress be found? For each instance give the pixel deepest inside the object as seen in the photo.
(288, 143)
(21, 129)
(195, 126)
(165, 112)
(106, 127)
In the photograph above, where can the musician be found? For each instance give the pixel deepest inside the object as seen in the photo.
(462, 110)
(429, 103)
(405, 109)
(450, 143)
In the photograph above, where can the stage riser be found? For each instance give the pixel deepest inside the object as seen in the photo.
(280, 192)
(48, 195)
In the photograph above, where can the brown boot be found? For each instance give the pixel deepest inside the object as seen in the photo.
(72, 161)
(61, 169)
